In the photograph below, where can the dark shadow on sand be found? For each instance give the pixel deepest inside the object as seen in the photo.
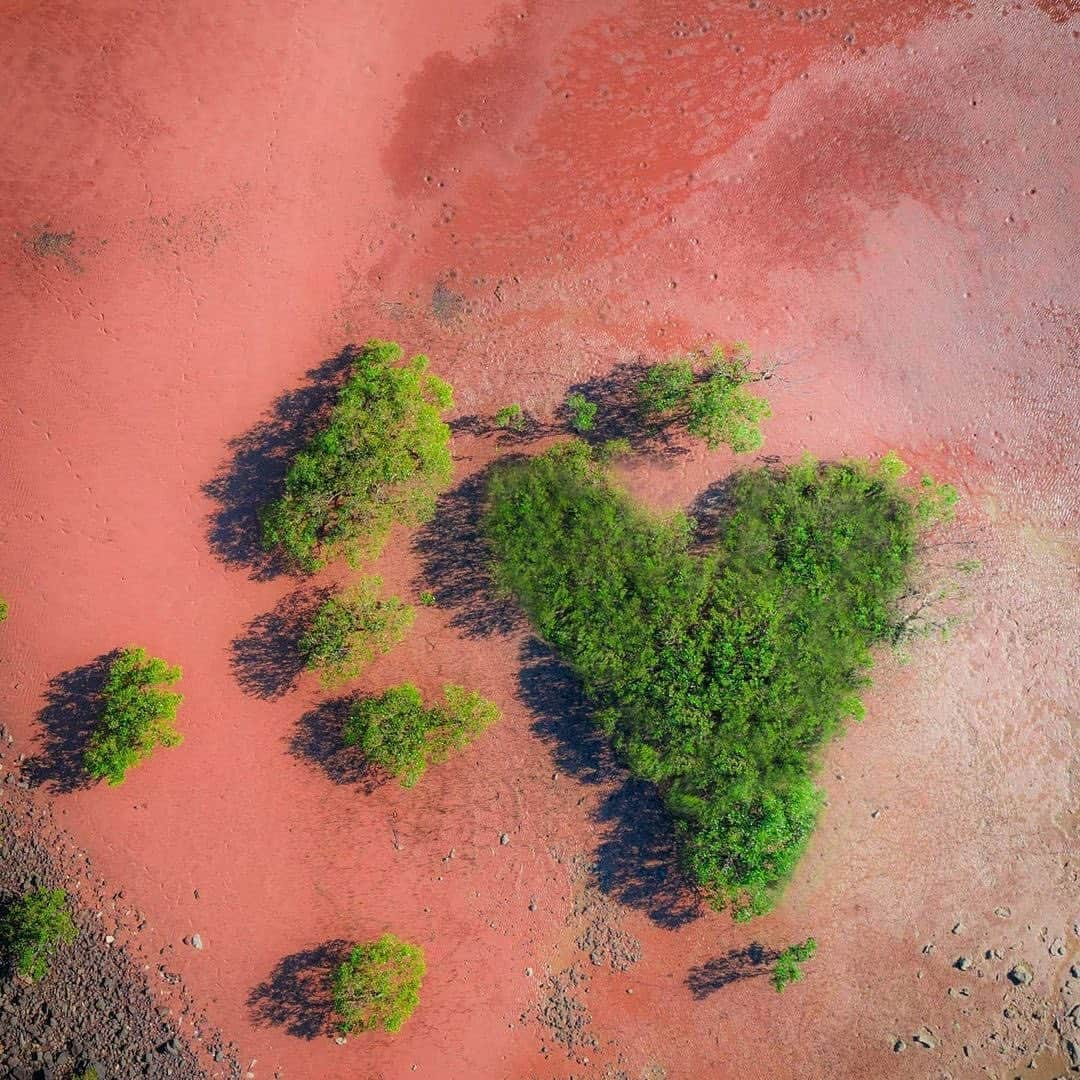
(317, 741)
(266, 658)
(73, 704)
(455, 563)
(297, 995)
(734, 966)
(252, 475)
(637, 861)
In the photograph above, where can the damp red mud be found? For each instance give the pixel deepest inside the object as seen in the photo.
(205, 202)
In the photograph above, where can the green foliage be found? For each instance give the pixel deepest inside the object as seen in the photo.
(713, 403)
(397, 733)
(510, 418)
(88, 1074)
(427, 599)
(31, 929)
(665, 387)
(378, 985)
(3, 609)
(353, 628)
(582, 412)
(716, 675)
(789, 963)
(383, 457)
(138, 715)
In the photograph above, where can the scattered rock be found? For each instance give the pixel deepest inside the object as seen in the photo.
(1002, 912)
(1021, 974)
(1057, 947)
(899, 1046)
(958, 928)
(196, 941)
(528, 973)
(962, 963)
(504, 838)
(1072, 1048)
(925, 1038)
(96, 1009)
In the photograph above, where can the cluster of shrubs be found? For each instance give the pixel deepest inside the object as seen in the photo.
(718, 673)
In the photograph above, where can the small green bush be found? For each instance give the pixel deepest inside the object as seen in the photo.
(399, 734)
(138, 715)
(383, 457)
(582, 412)
(3, 609)
(427, 599)
(510, 418)
(713, 404)
(32, 928)
(353, 628)
(789, 963)
(717, 675)
(378, 984)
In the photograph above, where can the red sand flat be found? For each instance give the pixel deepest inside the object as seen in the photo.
(204, 201)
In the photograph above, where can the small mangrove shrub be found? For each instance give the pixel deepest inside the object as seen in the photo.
(711, 401)
(138, 715)
(511, 418)
(788, 968)
(383, 457)
(582, 412)
(353, 628)
(32, 928)
(378, 985)
(398, 733)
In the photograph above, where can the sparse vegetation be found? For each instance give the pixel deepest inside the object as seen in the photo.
(353, 628)
(383, 457)
(717, 675)
(582, 412)
(788, 968)
(511, 418)
(710, 401)
(399, 734)
(138, 715)
(378, 985)
(3, 609)
(32, 928)
(427, 599)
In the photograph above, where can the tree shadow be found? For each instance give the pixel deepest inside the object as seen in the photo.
(252, 475)
(734, 966)
(454, 562)
(637, 860)
(529, 428)
(266, 659)
(297, 995)
(73, 704)
(618, 415)
(711, 509)
(317, 741)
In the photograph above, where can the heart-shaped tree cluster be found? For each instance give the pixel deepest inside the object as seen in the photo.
(717, 671)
